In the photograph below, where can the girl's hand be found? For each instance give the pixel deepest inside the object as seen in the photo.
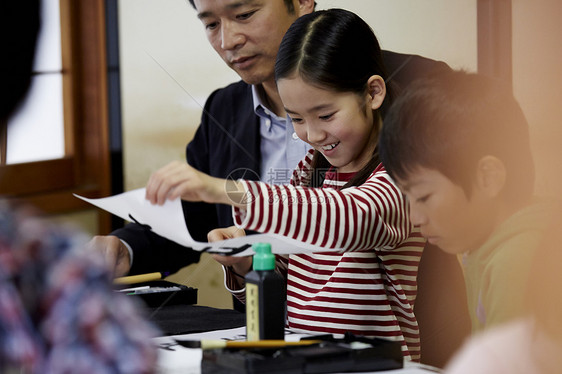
(231, 232)
(179, 179)
(241, 265)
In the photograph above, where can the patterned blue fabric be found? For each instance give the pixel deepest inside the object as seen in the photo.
(58, 311)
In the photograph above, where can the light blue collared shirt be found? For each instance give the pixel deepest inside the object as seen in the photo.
(281, 148)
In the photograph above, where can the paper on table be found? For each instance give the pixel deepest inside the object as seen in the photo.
(174, 358)
(167, 220)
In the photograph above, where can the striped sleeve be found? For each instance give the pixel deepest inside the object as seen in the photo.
(374, 214)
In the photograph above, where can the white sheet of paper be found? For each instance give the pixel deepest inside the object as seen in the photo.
(167, 220)
(174, 358)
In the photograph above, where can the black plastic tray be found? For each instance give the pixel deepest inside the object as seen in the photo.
(186, 295)
(331, 356)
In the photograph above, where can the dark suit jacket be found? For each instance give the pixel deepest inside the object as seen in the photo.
(227, 145)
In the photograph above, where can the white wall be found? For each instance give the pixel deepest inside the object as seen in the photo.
(167, 71)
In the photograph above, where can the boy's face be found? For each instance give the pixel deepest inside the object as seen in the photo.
(446, 217)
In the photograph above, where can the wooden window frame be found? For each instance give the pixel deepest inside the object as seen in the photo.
(85, 169)
(494, 39)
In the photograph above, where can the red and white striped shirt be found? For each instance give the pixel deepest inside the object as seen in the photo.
(370, 288)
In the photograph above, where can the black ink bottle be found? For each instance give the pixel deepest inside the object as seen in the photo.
(265, 297)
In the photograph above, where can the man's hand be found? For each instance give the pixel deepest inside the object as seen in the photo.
(240, 264)
(115, 253)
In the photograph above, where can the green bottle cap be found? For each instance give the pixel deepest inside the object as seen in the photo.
(263, 258)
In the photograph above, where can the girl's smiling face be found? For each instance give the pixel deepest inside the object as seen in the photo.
(337, 124)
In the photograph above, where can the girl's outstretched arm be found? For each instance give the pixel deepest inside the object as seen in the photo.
(373, 215)
(179, 179)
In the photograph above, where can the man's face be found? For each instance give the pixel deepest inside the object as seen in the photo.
(247, 33)
(445, 215)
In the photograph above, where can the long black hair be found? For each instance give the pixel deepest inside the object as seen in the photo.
(336, 50)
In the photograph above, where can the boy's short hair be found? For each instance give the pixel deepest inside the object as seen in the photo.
(448, 122)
